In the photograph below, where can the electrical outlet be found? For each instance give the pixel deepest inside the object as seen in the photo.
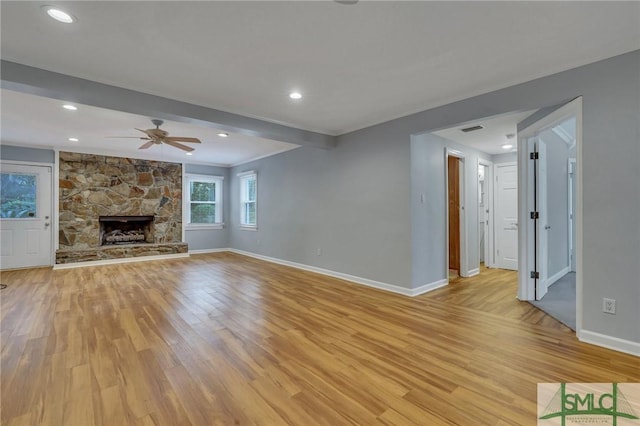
(609, 306)
(319, 252)
(257, 242)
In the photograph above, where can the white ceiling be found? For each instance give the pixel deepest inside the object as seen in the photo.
(356, 65)
(492, 137)
(29, 120)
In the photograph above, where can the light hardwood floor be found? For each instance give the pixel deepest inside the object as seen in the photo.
(222, 339)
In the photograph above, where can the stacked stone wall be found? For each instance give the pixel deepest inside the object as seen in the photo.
(94, 185)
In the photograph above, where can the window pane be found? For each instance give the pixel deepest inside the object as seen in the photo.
(17, 195)
(203, 191)
(251, 190)
(250, 213)
(203, 213)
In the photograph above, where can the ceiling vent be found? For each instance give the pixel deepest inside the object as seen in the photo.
(472, 128)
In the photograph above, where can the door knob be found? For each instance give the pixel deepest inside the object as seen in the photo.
(46, 224)
(547, 227)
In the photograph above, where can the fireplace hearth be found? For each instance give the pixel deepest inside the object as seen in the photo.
(117, 230)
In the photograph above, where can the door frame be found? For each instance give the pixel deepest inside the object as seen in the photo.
(489, 258)
(53, 207)
(526, 290)
(448, 152)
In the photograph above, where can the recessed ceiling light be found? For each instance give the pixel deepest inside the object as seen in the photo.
(70, 107)
(59, 15)
(223, 135)
(74, 139)
(188, 153)
(507, 146)
(295, 95)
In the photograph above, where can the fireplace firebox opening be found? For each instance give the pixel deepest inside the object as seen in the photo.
(126, 230)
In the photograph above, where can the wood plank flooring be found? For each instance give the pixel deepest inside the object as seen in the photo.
(222, 339)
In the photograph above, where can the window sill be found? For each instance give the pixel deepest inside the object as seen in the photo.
(248, 228)
(192, 227)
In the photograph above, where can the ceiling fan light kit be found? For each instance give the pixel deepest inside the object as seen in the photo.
(158, 136)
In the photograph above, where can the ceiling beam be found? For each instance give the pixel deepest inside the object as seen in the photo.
(36, 81)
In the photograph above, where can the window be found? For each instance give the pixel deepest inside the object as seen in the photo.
(248, 200)
(203, 201)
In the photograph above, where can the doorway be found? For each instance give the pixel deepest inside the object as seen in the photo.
(550, 210)
(455, 213)
(25, 216)
(485, 215)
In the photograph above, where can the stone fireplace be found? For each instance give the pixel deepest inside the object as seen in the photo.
(112, 207)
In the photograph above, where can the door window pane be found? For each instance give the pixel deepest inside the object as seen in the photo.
(18, 195)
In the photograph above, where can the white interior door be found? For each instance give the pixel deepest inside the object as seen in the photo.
(25, 216)
(506, 216)
(543, 227)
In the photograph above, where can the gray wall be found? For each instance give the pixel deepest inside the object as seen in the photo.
(351, 202)
(509, 157)
(428, 183)
(356, 201)
(204, 239)
(19, 153)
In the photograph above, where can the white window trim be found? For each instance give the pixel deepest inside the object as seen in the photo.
(219, 180)
(242, 176)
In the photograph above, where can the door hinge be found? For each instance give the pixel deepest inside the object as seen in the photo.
(533, 155)
(535, 215)
(534, 274)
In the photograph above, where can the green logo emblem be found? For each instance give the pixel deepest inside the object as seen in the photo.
(586, 405)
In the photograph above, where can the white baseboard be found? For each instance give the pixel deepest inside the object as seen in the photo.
(609, 342)
(552, 280)
(428, 287)
(473, 272)
(355, 279)
(116, 261)
(203, 251)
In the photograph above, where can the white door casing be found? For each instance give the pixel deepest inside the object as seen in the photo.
(26, 241)
(506, 216)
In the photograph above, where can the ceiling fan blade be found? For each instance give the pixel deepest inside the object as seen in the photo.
(126, 137)
(181, 139)
(146, 132)
(146, 145)
(177, 145)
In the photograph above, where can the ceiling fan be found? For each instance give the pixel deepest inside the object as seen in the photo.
(158, 136)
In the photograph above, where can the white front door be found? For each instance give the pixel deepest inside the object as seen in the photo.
(506, 216)
(25, 216)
